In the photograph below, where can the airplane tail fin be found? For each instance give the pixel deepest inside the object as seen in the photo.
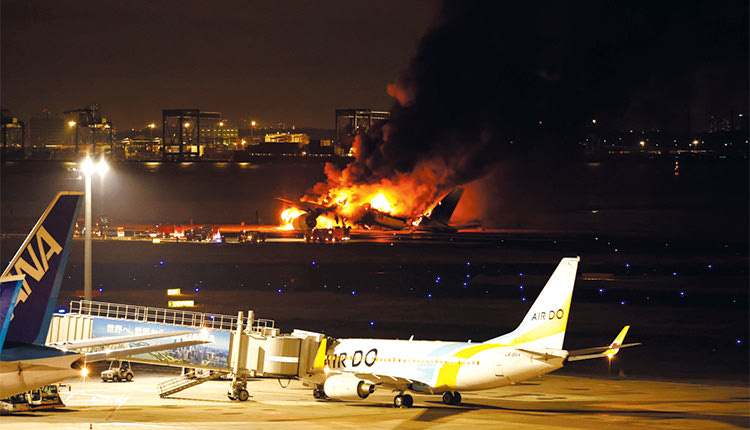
(545, 323)
(443, 212)
(42, 259)
(320, 358)
(9, 288)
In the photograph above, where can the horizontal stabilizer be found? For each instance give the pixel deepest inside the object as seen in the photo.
(545, 354)
(602, 351)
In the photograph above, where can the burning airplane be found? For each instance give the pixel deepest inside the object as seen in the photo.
(376, 212)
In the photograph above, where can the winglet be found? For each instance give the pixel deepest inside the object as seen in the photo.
(614, 347)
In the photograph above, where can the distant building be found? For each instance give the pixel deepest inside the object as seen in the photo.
(141, 147)
(351, 122)
(287, 138)
(47, 130)
(217, 133)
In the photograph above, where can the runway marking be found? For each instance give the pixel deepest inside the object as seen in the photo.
(124, 399)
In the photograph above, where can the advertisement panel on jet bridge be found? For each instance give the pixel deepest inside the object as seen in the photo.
(214, 354)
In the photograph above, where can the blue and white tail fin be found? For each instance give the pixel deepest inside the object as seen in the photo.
(9, 289)
(42, 259)
(544, 325)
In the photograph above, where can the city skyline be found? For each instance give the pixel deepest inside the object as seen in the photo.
(298, 62)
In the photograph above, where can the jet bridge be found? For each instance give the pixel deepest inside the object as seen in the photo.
(242, 346)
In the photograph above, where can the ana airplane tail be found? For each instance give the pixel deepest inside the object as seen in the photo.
(41, 259)
(544, 325)
(9, 289)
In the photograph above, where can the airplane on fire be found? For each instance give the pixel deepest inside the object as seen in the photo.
(351, 369)
(29, 287)
(369, 217)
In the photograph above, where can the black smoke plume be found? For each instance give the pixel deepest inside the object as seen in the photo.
(493, 78)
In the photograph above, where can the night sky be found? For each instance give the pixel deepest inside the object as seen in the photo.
(635, 64)
(269, 61)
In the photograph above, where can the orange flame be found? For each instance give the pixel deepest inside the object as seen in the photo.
(288, 216)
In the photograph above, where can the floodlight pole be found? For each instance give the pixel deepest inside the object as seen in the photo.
(87, 242)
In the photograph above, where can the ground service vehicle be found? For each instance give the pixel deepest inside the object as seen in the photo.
(118, 371)
(45, 397)
(327, 235)
(251, 236)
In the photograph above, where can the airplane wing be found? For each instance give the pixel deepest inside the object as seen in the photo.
(127, 352)
(306, 206)
(114, 340)
(395, 382)
(602, 351)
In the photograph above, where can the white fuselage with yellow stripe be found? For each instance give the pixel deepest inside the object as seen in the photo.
(532, 349)
(436, 367)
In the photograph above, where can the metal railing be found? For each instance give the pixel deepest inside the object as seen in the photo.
(176, 317)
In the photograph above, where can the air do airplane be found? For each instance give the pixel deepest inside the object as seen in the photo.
(350, 369)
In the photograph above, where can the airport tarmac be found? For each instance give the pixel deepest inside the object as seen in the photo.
(549, 402)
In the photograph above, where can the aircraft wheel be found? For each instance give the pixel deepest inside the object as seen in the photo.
(408, 400)
(456, 398)
(448, 398)
(398, 401)
(243, 395)
(129, 377)
(318, 394)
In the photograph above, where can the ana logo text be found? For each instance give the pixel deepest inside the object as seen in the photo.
(46, 247)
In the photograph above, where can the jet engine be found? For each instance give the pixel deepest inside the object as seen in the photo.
(305, 222)
(347, 387)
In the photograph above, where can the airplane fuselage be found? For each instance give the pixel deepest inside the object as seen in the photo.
(440, 366)
(18, 375)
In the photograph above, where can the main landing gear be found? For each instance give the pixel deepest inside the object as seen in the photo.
(318, 392)
(453, 398)
(403, 401)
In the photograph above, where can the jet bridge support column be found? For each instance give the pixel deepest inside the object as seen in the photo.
(238, 389)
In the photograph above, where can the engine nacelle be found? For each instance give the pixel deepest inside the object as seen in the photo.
(347, 387)
(305, 222)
